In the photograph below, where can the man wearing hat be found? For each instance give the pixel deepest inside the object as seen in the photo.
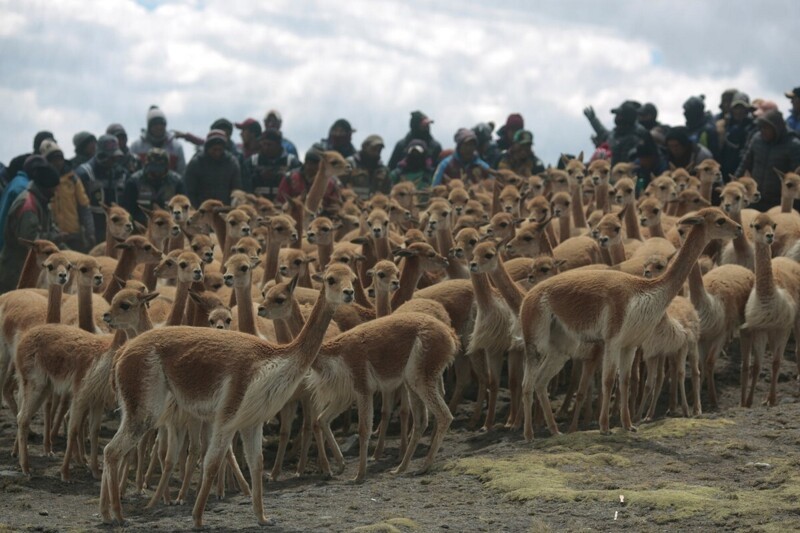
(683, 151)
(464, 163)
(298, 182)
(340, 138)
(505, 134)
(70, 204)
(793, 118)
(28, 218)
(520, 158)
(273, 120)
(772, 148)
(154, 185)
(251, 131)
(420, 130)
(264, 170)
(626, 135)
(103, 179)
(415, 167)
(156, 135)
(128, 160)
(213, 172)
(368, 174)
(700, 125)
(739, 126)
(85, 147)
(648, 118)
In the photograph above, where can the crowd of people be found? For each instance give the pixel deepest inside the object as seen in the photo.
(45, 195)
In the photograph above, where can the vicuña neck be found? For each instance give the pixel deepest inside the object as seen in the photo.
(765, 281)
(30, 271)
(219, 228)
(510, 291)
(657, 230)
(601, 198)
(410, 275)
(705, 189)
(697, 290)
(455, 268)
(317, 189)
(244, 299)
(85, 310)
(307, 343)
(617, 253)
(578, 209)
(179, 304)
(54, 293)
(111, 250)
(632, 224)
(564, 227)
(740, 244)
(383, 303)
(673, 279)
(545, 245)
(176, 243)
(324, 252)
(787, 202)
(123, 271)
(482, 288)
(360, 294)
(271, 259)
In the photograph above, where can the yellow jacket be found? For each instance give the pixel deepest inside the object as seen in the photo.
(68, 199)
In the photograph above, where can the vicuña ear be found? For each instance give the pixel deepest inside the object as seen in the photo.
(139, 228)
(148, 297)
(402, 252)
(317, 276)
(123, 246)
(195, 296)
(780, 174)
(293, 284)
(561, 262)
(691, 221)
(359, 240)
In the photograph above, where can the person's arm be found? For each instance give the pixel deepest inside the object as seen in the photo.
(397, 154)
(236, 175)
(190, 180)
(747, 161)
(794, 154)
(180, 166)
(597, 126)
(439, 174)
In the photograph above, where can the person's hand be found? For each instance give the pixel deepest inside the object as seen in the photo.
(589, 112)
(178, 134)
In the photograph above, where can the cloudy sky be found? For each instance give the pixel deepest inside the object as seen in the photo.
(70, 65)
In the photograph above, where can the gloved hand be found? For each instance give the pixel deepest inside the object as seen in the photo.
(589, 113)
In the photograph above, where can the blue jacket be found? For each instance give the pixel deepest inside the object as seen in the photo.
(793, 122)
(453, 164)
(15, 186)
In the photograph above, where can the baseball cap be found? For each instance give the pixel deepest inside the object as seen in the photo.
(108, 146)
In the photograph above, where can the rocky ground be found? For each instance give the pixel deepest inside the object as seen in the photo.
(733, 469)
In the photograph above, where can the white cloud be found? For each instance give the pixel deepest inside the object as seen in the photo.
(78, 64)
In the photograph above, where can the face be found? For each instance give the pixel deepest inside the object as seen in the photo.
(158, 129)
(271, 148)
(646, 118)
(373, 151)
(90, 149)
(676, 149)
(123, 141)
(272, 123)
(57, 160)
(467, 150)
(247, 136)
(767, 132)
(796, 104)
(739, 113)
(215, 151)
(311, 167)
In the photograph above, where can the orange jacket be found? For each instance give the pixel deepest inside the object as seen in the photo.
(69, 197)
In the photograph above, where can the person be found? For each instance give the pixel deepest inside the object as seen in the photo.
(103, 179)
(14, 188)
(650, 162)
(487, 147)
(297, 183)
(340, 138)
(274, 120)
(129, 161)
(419, 129)
(505, 135)
(739, 126)
(520, 157)
(627, 134)
(155, 184)
(793, 118)
(771, 148)
(28, 218)
(683, 151)
(415, 167)
(725, 101)
(264, 171)
(648, 118)
(156, 135)
(700, 125)
(368, 174)
(464, 163)
(213, 172)
(85, 145)
(39, 138)
(251, 131)
(70, 204)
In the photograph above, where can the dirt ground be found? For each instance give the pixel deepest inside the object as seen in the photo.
(731, 470)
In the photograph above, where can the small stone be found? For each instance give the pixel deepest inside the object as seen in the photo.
(219, 509)
(444, 526)
(759, 466)
(44, 513)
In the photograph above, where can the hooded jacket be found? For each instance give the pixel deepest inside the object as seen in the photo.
(208, 178)
(143, 144)
(762, 157)
(433, 148)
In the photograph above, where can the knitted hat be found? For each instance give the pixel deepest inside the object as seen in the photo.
(223, 124)
(344, 124)
(523, 137)
(464, 135)
(418, 118)
(216, 137)
(372, 140)
(695, 103)
(274, 114)
(116, 130)
(154, 114)
(515, 121)
(49, 147)
(41, 136)
(41, 172)
(81, 139)
(417, 145)
(108, 146)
